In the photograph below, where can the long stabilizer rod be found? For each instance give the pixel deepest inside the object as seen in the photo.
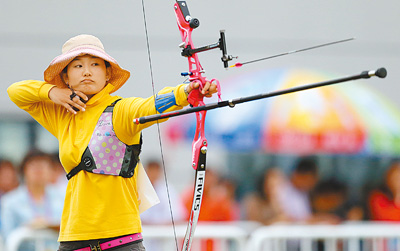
(381, 73)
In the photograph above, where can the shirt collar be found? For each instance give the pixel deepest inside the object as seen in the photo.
(100, 95)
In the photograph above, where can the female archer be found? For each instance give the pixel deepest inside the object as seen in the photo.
(99, 144)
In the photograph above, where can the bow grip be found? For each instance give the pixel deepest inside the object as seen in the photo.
(195, 97)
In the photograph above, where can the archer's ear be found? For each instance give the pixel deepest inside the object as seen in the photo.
(64, 77)
(108, 72)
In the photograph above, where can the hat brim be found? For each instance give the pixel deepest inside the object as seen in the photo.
(52, 74)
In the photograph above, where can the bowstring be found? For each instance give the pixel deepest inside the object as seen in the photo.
(158, 124)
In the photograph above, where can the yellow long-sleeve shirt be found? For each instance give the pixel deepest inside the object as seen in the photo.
(96, 206)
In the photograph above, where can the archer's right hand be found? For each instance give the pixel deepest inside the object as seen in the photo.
(65, 97)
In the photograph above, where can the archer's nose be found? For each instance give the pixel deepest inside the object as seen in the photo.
(87, 72)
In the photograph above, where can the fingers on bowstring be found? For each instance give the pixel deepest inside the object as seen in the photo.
(213, 88)
(206, 88)
(82, 96)
(77, 102)
(210, 89)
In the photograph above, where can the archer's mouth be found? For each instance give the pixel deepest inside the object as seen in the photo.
(87, 81)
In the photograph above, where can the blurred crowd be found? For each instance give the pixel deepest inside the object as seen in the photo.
(300, 197)
(32, 195)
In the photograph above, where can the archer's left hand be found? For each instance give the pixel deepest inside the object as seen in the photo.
(208, 90)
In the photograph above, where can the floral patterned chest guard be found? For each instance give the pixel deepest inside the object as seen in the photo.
(106, 154)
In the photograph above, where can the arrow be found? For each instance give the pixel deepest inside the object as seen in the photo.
(237, 65)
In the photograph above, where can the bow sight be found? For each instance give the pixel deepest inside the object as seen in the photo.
(188, 51)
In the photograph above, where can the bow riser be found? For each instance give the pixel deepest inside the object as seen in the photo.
(199, 142)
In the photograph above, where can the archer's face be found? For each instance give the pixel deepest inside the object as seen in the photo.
(87, 74)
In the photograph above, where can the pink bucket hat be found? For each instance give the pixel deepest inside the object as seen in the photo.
(79, 46)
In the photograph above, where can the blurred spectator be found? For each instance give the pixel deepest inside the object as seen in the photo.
(294, 194)
(161, 213)
(8, 177)
(263, 205)
(33, 203)
(229, 186)
(384, 202)
(330, 203)
(217, 204)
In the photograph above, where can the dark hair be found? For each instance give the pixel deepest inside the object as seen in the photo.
(66, 67)
(384, 187)
(153, 162)
(330, 186)
(261, 180)
(31, 155)
(64, 71)
(306, 165)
